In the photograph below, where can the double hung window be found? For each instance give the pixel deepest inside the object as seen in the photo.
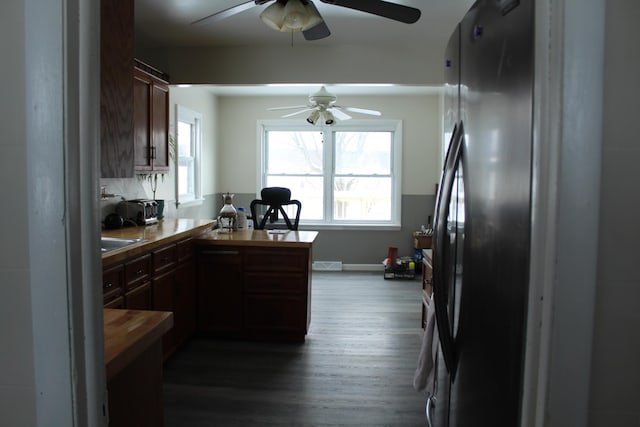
(188, 145)
(348, 174)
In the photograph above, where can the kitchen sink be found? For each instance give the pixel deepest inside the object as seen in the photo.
(108, 244)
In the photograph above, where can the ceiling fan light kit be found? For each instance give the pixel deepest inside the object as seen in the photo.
(293, 16)
(302, 15)
(323, 109)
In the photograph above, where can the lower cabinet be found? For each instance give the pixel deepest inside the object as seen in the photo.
(164, 280)
(256, 292)
(220, 296)
(138, 298)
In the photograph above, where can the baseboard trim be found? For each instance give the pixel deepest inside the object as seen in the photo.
(363, 267)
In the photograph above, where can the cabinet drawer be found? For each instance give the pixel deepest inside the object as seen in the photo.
(186, 249)
(271, 282)
(276, 313)
(113, 281)
(137, 271)
(164, 258)
(277, 259)
(139, 298)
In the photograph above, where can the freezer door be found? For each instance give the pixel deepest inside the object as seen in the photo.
(496, 107)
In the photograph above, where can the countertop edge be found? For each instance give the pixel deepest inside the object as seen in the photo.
(120, 255)
(127, 333)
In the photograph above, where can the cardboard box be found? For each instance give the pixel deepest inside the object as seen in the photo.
(421, 242)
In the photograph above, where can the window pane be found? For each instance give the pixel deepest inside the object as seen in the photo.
(185, 135)
(306, 189)
(294, 152)
(362, 199)
(363, 153)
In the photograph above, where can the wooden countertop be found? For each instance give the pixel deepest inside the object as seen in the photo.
(166, 231)
(290, 238)
(127, 333)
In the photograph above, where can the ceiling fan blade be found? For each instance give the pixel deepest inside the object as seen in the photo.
(287, 108)
(319, 31)
(394, 11)
(297, 112)
(339, 114)
(218, 16)
(360, 110)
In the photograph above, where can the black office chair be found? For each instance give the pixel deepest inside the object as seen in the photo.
(274, 198)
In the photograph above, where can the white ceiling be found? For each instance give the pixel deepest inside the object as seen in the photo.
(167, 23)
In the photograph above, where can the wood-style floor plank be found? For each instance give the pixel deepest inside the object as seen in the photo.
(354, 369)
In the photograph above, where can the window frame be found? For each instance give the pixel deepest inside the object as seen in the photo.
(194, 118)
(353, 125)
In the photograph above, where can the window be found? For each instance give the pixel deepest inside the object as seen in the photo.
(188, 141)
(348, 174)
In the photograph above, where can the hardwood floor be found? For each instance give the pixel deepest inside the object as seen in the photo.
(354, 369)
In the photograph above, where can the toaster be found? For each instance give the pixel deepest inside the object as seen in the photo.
(142, 212)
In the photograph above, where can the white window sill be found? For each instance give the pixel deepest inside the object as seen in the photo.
(190, 203)
(351, 227)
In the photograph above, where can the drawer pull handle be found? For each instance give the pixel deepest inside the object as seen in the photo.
(220, 252)
(108, 285)
(140, 271)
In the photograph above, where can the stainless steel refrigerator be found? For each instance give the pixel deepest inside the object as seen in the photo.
(483, 218)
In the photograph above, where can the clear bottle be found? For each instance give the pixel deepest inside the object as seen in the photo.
(228, 214)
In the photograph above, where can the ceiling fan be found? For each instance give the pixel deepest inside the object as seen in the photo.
(322, 108)
(302, 15)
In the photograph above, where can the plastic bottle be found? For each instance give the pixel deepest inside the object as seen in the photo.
(241, 219)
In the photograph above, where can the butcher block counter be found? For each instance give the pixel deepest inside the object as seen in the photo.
(133, 358)
(259, 238)
(164, 232)
(255, 284)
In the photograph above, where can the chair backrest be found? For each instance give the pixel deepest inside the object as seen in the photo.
(274, 198)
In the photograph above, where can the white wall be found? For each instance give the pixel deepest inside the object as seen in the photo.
(204, 102)
(302, 64)
(17, 382)
(51, 364)
(421, 121)
(615, 385)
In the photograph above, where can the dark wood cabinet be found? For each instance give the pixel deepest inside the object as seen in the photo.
(220, 294)
(254, 292)
(163, 279)
(139, 297)
(137, 274)
(113, 285)
(150, 120)
(116, 88)
(163, 284)
(185, 314)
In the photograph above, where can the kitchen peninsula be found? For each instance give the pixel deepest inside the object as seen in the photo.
(255, 283)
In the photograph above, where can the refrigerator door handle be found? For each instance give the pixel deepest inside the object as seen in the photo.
(431, 403)
(439, 282)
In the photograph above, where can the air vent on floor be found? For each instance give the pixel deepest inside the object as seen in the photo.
(327, 266)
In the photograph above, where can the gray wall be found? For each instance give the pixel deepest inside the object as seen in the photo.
(368, 247)
(615, 375)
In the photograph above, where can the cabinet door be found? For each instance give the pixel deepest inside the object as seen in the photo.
(220, 290)
(117, 302)
(139, 298)
(142, 121)
(185, 308)
(163, 300)
(159, 126)
(116, 109)
(151, 123)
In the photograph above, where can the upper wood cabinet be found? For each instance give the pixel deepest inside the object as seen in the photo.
(116, 88)
(151, 119)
